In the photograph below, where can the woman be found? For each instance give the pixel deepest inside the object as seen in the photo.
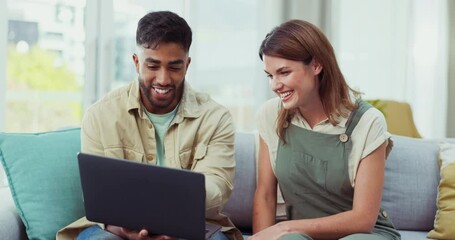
(324, 146)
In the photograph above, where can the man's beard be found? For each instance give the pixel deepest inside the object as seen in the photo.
(146, 90)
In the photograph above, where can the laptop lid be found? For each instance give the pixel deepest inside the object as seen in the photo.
(139, 196)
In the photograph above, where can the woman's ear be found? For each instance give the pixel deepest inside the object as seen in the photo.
(317, 67)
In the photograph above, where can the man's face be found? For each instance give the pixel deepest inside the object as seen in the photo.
(161, 75)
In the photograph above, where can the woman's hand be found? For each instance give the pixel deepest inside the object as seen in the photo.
(271, 233)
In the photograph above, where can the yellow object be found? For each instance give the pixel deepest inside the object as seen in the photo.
(445, 216)
(398, 116)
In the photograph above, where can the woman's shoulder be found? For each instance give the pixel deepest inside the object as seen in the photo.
(266, 117)
(373, 115)
(372, 123)
(270, 108)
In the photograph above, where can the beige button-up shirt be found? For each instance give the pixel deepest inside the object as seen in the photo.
(199, 138)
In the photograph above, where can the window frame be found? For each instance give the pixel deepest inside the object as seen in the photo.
(3, 48)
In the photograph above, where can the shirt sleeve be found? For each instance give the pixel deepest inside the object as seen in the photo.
(368, 135)
(376, 133)
(266, 119)
(216, 162)
(90, 135)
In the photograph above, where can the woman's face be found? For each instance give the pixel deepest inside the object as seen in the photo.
(294, 82)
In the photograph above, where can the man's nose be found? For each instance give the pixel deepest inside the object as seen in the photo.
(163, 77)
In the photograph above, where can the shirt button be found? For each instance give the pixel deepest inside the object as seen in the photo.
(344, 137)
(150, 126)
(149, 157)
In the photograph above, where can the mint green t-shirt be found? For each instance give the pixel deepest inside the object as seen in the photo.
(161, 123)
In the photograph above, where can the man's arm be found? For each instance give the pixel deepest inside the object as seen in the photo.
(218, 166)
(90, 135)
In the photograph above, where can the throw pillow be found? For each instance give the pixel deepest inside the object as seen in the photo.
(44, 179)
(411, 183)
(445, 215)
(3, 180)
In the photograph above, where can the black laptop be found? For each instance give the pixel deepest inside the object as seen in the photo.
(140, 196)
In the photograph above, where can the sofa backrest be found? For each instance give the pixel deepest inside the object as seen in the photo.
(411, 183)
(239, 208)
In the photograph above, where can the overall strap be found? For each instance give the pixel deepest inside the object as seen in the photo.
(362, 107)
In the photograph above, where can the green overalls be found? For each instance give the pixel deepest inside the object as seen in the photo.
(313, 175)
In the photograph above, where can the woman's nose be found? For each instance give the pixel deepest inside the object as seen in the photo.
(275, 84)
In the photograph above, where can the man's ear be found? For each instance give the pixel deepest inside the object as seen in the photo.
(188, 63)
(136, 61)
(317, 67)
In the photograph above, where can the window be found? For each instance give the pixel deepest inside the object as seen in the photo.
(45, 65)
(65, 55)
(224, 56)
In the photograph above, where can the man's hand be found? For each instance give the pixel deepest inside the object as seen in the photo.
(134, 234)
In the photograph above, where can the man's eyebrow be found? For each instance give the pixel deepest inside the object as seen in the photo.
(151, 60)
(155, 61)
(175, 62)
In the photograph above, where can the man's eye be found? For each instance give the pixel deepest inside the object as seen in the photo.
(269, 76)
(285, 73)
(175, 69)
(152, 67)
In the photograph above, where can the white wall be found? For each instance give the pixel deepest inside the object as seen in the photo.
(451, 85)
(395, 50)
(3, 47)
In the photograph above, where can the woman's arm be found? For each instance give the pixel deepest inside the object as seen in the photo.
(265, 197)
(361, 219)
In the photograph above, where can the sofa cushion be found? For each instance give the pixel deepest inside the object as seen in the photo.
(445, 216)
(11, 226)
(239, 208)
(413, 235)
(411, 183)
(44, 179)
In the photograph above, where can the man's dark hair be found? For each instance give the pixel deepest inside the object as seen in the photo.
(163, 26)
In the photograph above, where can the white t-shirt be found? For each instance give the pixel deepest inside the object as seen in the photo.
(369, 134)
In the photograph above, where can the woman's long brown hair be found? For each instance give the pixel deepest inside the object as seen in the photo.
(299, 40)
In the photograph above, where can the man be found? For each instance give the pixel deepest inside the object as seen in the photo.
(160, 120)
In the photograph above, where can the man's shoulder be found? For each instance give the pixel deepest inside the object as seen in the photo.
(114, 100)
(206, 100)
(206, 104)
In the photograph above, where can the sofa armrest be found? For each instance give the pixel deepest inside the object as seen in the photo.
(11, 226)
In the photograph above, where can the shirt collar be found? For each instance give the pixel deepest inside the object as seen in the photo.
(340, 119)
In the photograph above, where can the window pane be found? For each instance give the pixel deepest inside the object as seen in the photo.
(45, 64)
(225, 60)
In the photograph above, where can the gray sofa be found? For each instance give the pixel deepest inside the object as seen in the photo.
(410, 191)
(410, 188)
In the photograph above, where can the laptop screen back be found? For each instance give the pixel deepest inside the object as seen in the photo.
(139, 196)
